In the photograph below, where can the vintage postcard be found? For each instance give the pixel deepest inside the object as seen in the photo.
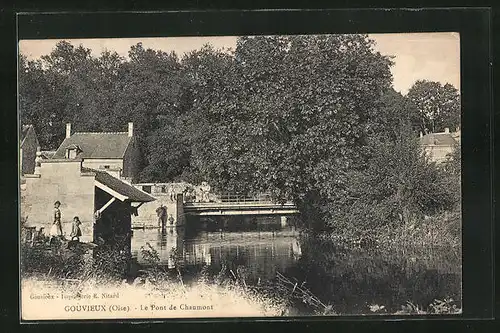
(240, 176)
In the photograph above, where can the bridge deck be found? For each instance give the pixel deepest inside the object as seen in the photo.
(239, 208)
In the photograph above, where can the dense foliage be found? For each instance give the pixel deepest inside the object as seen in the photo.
(311, 119)
(438, 106)
(400, 184)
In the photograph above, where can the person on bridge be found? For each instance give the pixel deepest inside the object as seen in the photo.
(205, 190)
(162, 213)
(199, 194)
(172, 193)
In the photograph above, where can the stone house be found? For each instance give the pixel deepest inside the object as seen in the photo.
(116, 153)
(103, 203)
(438, 146)
(27, 149)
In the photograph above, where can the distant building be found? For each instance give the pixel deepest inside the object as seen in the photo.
(116, 153)
(438, 146)
(27, 149)
(103, 202)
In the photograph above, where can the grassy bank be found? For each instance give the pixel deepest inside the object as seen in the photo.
(228, 299)
(442, 230)
(282, 296)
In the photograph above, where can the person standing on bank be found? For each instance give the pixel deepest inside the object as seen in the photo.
(161, 212)
(56, 229)
(76, 232)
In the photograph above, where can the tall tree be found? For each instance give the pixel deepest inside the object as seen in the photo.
(292, 115)
(73, 74)
(62, 86)
(40, 102)
(148, 88)
(438, 105)
(151, 95)
(399, 184)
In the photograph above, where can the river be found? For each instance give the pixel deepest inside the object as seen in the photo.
(352, 280)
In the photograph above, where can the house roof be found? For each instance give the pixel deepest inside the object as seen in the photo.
(96, 145)
(439, 139)
(122, 188)
(24, 132)
(47, 154)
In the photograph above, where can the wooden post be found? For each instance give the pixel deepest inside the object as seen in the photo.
(106, 205)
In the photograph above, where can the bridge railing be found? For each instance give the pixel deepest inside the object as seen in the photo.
(234, 198)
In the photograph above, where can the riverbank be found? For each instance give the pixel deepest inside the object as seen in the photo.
(406, 270)
(173, 299)
(443, 230)
(328, 280)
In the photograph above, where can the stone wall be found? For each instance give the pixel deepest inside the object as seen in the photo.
(181, 218)
(167, 194)
(148, 218)
(60, 180)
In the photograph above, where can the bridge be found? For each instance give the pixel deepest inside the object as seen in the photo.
(230, 204)
(204, 204)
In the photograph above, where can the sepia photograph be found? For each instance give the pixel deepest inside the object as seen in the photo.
(240, 176)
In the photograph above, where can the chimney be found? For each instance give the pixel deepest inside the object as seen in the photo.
(130, 129)
(447, 130)
(421, 135)
(68, 130)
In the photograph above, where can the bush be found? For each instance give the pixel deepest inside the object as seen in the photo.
(43, 261)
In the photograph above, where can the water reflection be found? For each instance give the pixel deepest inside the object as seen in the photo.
(353, 279)
(349, 279)
(262, 251)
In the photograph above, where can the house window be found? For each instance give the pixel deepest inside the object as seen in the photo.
(106, 166)
(72, 153)
(163, 189)
(147, 188)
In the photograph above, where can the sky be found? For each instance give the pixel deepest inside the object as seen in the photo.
(418, 56)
